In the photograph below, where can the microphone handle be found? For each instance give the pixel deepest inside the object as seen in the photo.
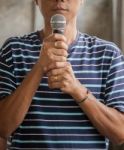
(58, 31)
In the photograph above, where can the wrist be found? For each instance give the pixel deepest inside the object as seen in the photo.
(80, 93)
(40, 66)
(84, 98)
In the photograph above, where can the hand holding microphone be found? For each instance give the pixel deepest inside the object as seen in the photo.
(54, 49)
(54, 60)
(60, 73)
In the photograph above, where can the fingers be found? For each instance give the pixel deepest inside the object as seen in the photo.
(58, 81)
(60, 77)
(57, 48)
(54, 49)
(56, 37)
(55, 54)
(54, 85)
(60, 52)
(55, 42)
(51, 69)
(55, 45)
(57, 58)
(61, 44)
(58, 67)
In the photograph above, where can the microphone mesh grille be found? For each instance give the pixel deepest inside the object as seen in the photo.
(58, 22)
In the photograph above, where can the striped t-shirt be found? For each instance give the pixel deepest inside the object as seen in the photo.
(54, 120)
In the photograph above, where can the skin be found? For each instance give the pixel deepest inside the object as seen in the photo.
(53, 63)
(67, 8)
(2, 144)
(58, 44)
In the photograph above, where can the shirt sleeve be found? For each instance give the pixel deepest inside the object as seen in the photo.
(114, 93)
(7, 78)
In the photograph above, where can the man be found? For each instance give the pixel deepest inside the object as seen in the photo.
(3, 144)
(61, 92)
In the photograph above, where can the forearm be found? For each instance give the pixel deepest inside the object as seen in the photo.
(108, 121)
(3, 144)
(14, 107)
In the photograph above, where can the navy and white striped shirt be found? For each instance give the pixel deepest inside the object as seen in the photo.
(54, 120)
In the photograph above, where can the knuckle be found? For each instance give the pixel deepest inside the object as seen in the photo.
(69, 67)
(56, 44)
(65, 53)
(53, 72)
(55, 36)
(65, 75)
(52, 58)
(59, 37)
(65, 45)
(56, 64)
(68, 64)
(63, 59)
(63, 38)
(62, 44)
(64, 83)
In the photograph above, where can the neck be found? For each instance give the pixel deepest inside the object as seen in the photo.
(70, 32)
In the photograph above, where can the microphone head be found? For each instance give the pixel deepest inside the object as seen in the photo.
(58, 23)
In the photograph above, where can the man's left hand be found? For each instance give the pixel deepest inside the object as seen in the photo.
(61, 75)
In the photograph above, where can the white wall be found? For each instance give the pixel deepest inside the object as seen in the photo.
(16, 18)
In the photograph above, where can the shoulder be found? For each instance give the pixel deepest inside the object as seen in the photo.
(97, 44)
(28, 40)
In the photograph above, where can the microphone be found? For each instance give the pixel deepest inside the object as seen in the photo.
(58, 23)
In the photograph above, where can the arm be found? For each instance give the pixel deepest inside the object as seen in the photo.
(108, 121)
(3, 144)
(14, 107)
